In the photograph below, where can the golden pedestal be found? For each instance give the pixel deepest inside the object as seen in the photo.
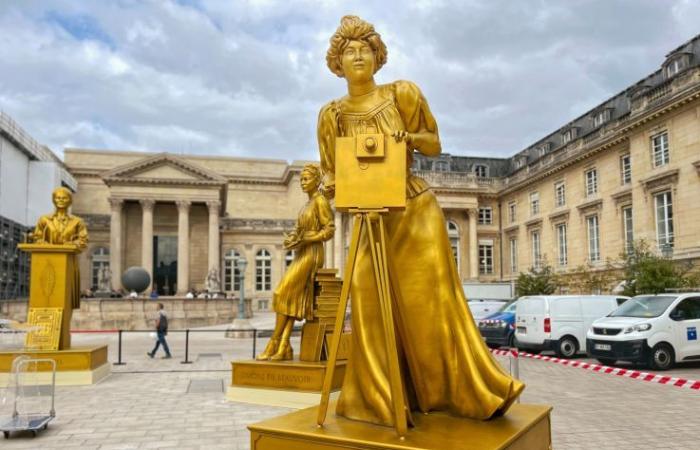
(74, 366)
(52, 282)
(292, 384)
(524, 427)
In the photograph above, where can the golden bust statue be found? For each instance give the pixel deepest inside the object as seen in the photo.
(293, 297)
(446, 365)
(62, 228)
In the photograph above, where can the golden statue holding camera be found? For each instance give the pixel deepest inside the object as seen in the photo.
(415, 346)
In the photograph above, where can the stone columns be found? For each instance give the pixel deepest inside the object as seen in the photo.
(473, 245)
(214, 256)
(147, 236)
(115, 242)
(338, 243)
(183, 246)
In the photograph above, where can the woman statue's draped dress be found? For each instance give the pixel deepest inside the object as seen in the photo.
(294, 296)
(445, 364)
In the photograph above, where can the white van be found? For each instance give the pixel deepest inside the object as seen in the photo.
(560, 322)
(658, 330)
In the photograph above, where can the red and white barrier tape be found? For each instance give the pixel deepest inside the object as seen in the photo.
(508, 352)
(634, 374)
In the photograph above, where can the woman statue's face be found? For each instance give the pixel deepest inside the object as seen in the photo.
(358, 62)
(61, 200)
(308, 182)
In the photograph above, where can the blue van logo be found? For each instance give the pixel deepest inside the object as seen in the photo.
(692, 334)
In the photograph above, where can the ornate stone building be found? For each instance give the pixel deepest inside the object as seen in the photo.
(627, 169)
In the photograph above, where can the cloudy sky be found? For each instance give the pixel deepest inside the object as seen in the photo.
(247, 78)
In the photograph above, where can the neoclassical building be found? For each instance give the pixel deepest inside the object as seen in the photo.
(181, 216)
(626, 170)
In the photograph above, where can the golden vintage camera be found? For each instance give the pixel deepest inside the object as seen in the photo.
(370, 172)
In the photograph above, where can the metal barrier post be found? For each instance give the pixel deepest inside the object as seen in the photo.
(255, 338)
(119, 352)
(187, 348)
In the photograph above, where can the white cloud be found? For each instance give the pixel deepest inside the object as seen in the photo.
(248, 78)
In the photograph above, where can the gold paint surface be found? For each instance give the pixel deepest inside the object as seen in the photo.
(74, 359)
(294, 375)
(446, 365)
(55, 272)
(375, 182)
(293, 298)
(524, 427)
(47, 336)
(54, 282)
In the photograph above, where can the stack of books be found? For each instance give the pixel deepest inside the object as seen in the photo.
(316, 333)
(327, 297)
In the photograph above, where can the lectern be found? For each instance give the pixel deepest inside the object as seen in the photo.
(52, 289)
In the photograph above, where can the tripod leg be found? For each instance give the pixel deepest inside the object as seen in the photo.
(339, 320)
(382, 277)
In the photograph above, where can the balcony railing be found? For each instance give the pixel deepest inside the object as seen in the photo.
(458, 180)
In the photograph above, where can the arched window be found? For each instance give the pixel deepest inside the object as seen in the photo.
(100, 259)
(263, 271)
(232, 274)
(288, 258)
(441, 166)
(453, 234)
(481, 170)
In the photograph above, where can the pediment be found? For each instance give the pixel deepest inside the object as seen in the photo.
(165, 171)
(163, 168)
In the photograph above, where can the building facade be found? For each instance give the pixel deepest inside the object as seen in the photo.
(626, 170)
(28, 173)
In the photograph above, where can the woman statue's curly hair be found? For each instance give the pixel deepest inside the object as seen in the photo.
(352, 28)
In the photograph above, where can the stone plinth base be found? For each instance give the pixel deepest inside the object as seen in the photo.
(75, 366)
(524, 427)
(292, 384)
(276, 397)
(291, 375)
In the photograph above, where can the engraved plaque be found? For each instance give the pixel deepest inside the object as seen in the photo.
(47, 322)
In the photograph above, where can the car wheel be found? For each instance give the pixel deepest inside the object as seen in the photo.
(606, 361)
(661, 357)
(567, 347)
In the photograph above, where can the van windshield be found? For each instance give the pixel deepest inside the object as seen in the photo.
(644, 306)
(508, 307)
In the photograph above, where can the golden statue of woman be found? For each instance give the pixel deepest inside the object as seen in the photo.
(294, 296)
(446, 365)
(62, 228)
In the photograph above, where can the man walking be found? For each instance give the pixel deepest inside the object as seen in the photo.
(161, 331)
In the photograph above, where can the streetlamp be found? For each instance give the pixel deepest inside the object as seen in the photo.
(240, 325)
(242, 264)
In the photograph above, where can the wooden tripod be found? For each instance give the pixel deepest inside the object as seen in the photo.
(364, 221)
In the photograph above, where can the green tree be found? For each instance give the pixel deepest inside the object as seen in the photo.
(649, 273)
(542, 281)
(588, 279)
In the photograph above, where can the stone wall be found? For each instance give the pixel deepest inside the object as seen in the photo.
(137, 314)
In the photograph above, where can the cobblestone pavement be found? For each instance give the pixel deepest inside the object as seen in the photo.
(146, 404)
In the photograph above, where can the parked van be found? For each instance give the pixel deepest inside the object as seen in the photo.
(658, 330)
(482, 308)
(560, 322)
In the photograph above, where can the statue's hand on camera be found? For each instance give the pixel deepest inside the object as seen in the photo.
(402, 136)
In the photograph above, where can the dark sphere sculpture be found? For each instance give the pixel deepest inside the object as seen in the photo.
(136, 279)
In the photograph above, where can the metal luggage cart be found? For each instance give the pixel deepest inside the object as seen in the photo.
(31, 393)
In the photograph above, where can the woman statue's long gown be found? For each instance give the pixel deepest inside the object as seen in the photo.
(445, 364)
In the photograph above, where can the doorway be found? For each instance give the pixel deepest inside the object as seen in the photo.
(165, 264)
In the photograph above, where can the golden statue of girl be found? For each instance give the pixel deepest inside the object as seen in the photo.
(447, 365)
(294, 296)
